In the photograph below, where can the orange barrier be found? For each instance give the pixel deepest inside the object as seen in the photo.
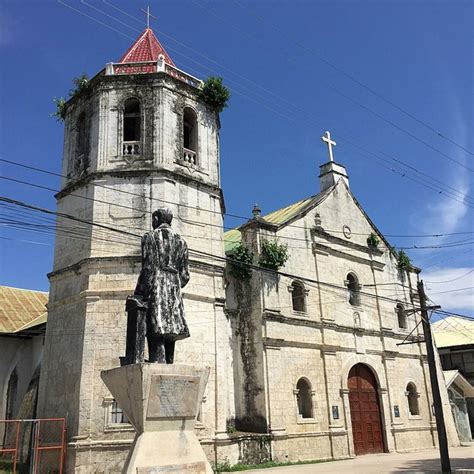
(47, 450)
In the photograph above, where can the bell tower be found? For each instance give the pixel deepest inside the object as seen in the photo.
(138, 136)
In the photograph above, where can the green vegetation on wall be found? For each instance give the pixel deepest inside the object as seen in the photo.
(273, 255)
(81, 84)
(214, 93)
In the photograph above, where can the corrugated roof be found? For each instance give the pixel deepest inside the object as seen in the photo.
(453, 331)
(19, 308)
(283, 215)
(231, 238)
(454, 376)
(279, 217)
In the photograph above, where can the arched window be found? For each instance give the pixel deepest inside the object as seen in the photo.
(353, 286)
(131, 127)
(298, 295)
(402, 317)
(11, 394)
(412, 396)
(304, 397)
(189, 136)
(81, 135)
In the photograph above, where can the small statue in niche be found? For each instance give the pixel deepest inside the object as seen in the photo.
(156, 309)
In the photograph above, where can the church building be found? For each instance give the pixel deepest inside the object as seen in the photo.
(304, 353)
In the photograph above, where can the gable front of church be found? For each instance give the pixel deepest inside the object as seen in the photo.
(317, 355)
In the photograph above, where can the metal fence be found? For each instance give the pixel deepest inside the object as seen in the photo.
(32, 446)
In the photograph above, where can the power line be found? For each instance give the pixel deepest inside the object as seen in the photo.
(240, 76)
(448, 194)
(246, 218)
(453, 279)
(353, 78)
(450, 313)
(460, 329)
(452, 291)
(146, 211)
(198, 252)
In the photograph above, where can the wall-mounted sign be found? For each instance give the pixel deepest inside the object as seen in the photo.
(335, 412)
(396, 411)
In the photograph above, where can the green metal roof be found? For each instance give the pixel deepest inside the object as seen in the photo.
(231, 238)
(279, 217)
(283, 215)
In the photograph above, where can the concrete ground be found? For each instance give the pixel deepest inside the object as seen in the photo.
(418, 462)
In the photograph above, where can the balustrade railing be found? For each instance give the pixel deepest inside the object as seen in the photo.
(131, 148)
(151, 66)
(189, 156)
(133, 68)
(182, 76)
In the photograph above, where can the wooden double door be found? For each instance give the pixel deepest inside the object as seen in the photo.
(365, 411)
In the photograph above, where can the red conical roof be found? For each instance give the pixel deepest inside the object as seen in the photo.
(146, 48)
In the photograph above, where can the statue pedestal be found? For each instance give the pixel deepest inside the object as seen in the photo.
(161, 401)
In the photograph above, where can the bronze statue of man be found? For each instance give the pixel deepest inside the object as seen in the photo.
(158, 291)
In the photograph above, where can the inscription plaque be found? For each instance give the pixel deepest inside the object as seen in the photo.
(173, 396)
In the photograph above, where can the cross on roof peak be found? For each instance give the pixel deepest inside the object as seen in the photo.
(148, 16)
(327, 139)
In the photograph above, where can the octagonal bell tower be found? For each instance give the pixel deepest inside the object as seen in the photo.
(137, 137)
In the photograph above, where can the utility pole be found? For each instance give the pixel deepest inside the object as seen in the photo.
(438, 406)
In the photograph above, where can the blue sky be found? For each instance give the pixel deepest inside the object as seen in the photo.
(274, 56)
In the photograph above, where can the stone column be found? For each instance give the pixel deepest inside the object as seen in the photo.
(348, 421)
(387, 418)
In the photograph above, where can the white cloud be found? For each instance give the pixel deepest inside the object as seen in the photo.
(443, 285)
(448, 213)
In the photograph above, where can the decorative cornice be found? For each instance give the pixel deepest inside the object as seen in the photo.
(132, 259)
(152, 171)
(258, 222)
(296, 321)
(326, 250)
(346, 243)
(331, 324)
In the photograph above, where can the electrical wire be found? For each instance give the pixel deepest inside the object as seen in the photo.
(448, 194)
(146, 211)
(194, 251)
(354, 79)
(233, 215)
(452, 279)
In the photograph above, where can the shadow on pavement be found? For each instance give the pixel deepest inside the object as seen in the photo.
(434, 465)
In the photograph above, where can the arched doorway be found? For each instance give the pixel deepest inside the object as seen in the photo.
(365, 410)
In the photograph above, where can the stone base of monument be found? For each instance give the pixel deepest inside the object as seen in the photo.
(161, 401)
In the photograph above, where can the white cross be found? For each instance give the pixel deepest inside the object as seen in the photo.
(327, 139)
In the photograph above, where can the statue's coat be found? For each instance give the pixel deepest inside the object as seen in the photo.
(164, 273)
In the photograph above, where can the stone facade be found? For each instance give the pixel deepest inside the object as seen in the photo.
(95, 268)
(257, 346)
(322, 340)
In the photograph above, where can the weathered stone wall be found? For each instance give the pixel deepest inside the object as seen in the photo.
(95, 268)
(24, 355)
(322, 343)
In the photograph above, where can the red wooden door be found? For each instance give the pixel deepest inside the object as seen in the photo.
(365, 411)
